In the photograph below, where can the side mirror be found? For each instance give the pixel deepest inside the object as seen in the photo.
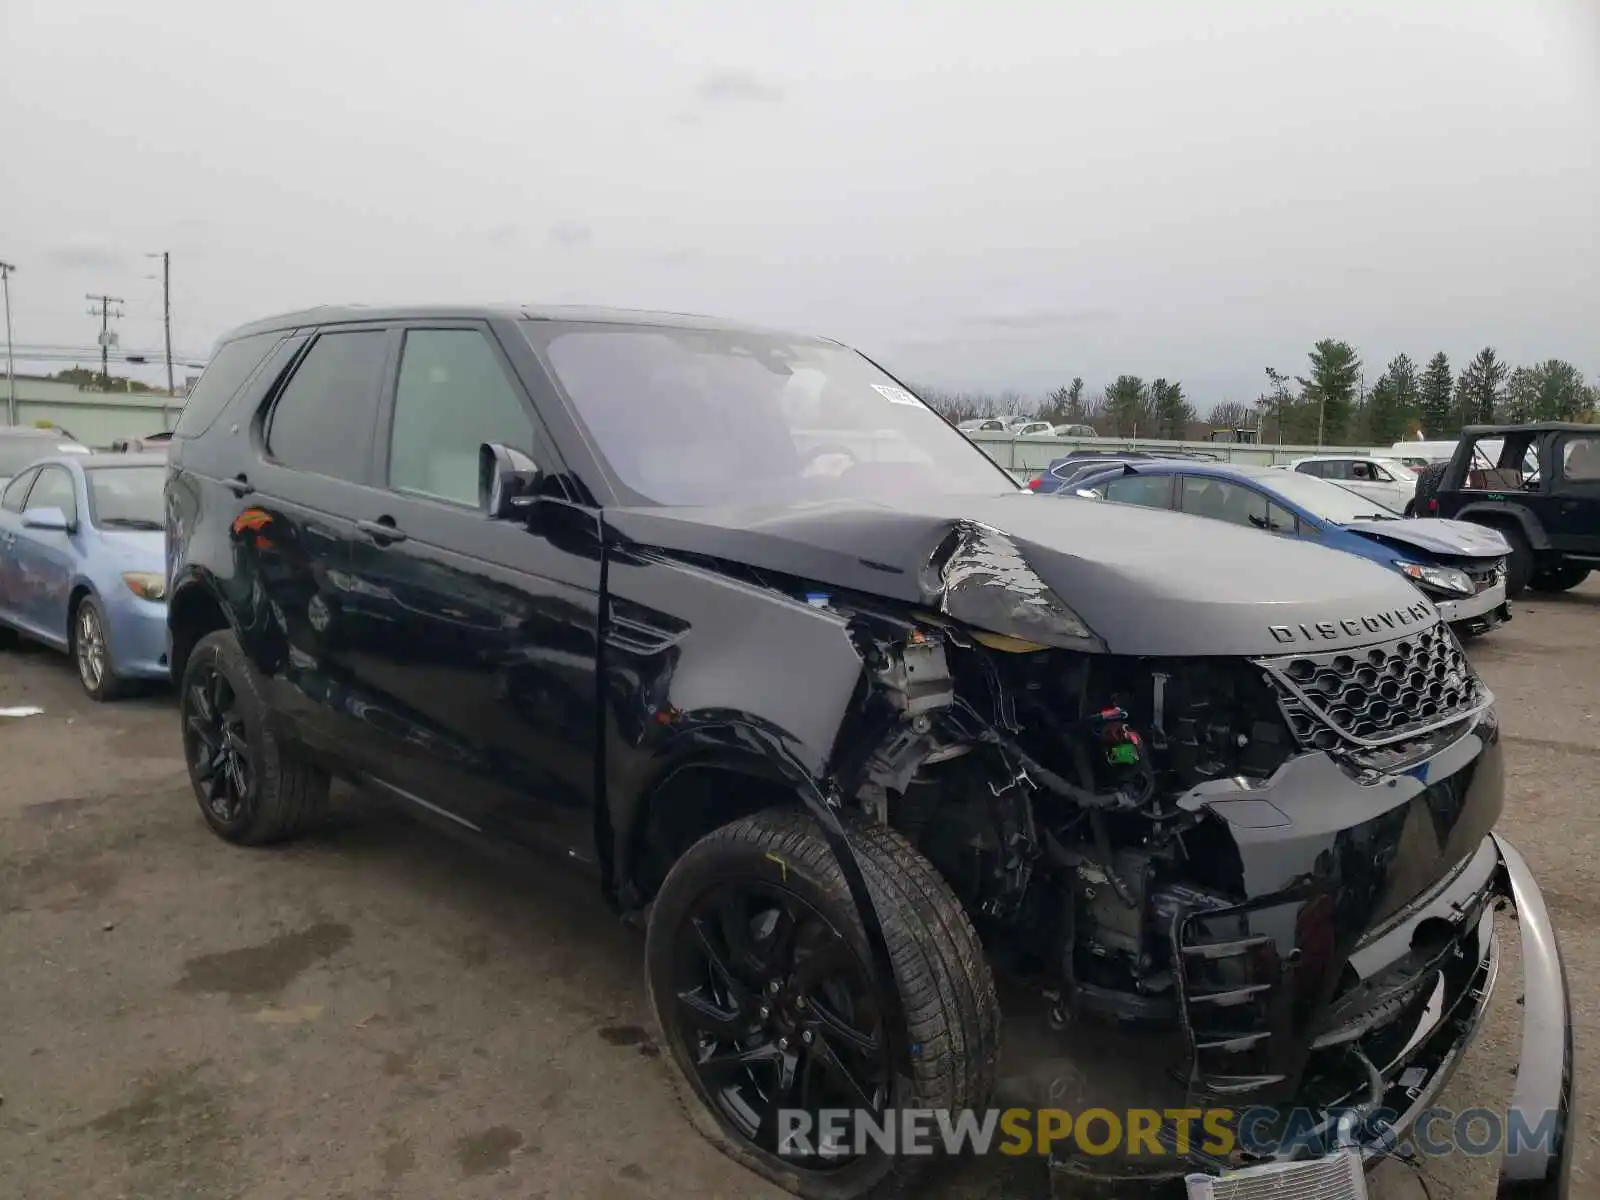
(507, 481)
(46, 518)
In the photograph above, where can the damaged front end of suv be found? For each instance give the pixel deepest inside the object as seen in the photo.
(1242, 849)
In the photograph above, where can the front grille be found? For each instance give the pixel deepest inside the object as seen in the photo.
(1379, 694)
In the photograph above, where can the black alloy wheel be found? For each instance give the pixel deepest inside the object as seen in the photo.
(255, 785)
(758, 969)
(776, 1011)
(217, 746)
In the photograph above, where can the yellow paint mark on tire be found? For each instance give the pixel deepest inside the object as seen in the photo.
(782, 866)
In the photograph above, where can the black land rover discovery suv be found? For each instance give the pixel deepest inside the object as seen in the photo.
(729, 617)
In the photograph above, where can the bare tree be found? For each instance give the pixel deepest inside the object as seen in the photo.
(1231, 414)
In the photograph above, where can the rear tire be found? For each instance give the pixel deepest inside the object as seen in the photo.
(1560, 579)
(778, 860)
(253, 786)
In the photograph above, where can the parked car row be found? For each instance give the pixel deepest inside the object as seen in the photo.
(1023, 427)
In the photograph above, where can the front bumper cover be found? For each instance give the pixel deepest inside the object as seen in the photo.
(1483, 606)
(1537, 1168)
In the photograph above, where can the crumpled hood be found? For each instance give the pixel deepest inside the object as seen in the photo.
(1453, 539)
(1142, 581)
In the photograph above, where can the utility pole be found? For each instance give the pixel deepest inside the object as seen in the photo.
(11, 363)
(106, 336)
(166, 321)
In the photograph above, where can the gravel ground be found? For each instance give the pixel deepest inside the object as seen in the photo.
(379, 1012)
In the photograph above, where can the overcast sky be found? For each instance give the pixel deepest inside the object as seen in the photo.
(996, 195)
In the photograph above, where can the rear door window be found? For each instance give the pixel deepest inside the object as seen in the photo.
(1149, 491)
(1223, 500)
(1580, 460)
(229, 370)
(323, 419)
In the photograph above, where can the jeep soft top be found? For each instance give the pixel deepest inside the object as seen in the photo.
(1539, 484)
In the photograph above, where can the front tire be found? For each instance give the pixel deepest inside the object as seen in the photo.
(253, 786)
(90, 647)
(759, 973)
(1519, 567)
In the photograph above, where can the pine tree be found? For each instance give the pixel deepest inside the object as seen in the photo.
(1433, 399)
(1171, 409)
(1335, 374)
(1127, 406)
(1480, 391)
(1386, 421)
(1393, 402)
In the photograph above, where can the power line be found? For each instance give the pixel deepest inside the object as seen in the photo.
(134, 357)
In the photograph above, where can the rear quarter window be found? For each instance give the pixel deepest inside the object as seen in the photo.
(229, 370)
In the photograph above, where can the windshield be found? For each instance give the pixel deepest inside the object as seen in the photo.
(703, 417)
(126, 497)
(1327, 500)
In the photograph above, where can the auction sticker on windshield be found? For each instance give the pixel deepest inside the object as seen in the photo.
(896, 395)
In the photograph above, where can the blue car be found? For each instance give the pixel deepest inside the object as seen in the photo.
(1064, 473)
(83, 564)
(1459, 566)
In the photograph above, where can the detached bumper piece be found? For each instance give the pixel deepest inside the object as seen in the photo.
(1432, 1021)
(1545, 1070)
(1336, 1177)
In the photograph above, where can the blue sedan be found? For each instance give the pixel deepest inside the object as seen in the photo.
(1459, 566)
(83, 564)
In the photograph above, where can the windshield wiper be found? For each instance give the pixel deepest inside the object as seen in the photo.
(132, 522)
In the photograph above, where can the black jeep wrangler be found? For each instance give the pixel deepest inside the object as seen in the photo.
(1539, 485)
(728, 618)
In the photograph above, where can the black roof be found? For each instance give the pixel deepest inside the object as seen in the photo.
(338, 314)
(1531, 427)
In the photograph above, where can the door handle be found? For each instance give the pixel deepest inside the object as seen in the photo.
(382, 531)
(239, 485)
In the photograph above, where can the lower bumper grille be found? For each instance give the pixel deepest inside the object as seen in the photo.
(1227, 980)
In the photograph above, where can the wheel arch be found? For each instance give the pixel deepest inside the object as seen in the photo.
(772, 765)
(1504, 516)
(193, 610)
(692, 793)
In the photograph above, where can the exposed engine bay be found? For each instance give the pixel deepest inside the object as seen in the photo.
(1044, 785)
